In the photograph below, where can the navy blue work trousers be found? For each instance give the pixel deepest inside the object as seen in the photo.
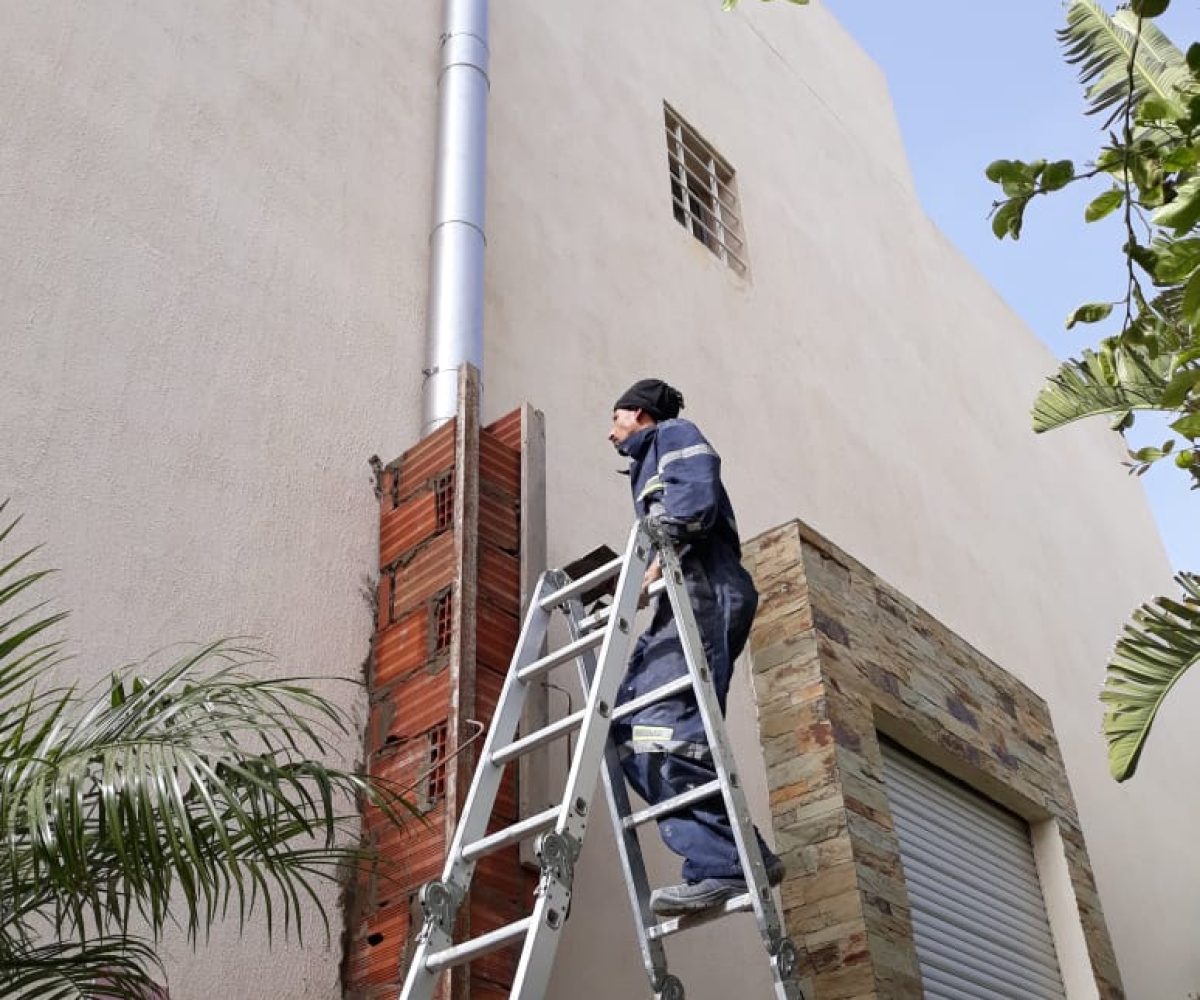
(664, 748)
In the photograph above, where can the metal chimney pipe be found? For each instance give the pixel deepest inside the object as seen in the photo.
(455, 327)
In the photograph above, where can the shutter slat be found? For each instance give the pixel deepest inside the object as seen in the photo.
(979, 918)
(994, 925)
(972, 865)
(927, 803)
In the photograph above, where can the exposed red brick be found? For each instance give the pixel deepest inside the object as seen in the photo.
(406, 526)
(487, 913)
(411, 696)
(500, 578)
(502, 874)
(378, 946)
(401, 648)
(507, 430)
(425, 574)
(426, 460)
(499, 465)
(418, 703)
(488, 683)
(481, 989)
(388, 488)
(499, 522)
(383, 602)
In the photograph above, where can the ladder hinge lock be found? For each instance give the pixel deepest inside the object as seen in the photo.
(786, 958)
(439, 903)
(670, 989)
(556, 854)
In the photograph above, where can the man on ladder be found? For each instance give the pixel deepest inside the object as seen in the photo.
(676, 480)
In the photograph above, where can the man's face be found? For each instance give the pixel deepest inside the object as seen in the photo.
(624, 424)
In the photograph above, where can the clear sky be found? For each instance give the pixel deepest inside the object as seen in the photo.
(973, 82)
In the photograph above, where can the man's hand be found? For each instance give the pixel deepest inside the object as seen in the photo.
(653, 574)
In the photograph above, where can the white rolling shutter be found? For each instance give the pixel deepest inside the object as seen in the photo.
(978, 915)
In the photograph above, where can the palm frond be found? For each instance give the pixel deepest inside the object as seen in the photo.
(109, 968)
(196, 791)
(1085, 387)
(1101, 44)
(195, 794)
(1155, 649)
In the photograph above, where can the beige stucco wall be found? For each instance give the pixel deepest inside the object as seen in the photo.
(211, 296)
(864, 379)
(212, 283)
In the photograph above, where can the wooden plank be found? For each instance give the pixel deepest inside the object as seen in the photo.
(463, 632)
(533, 785)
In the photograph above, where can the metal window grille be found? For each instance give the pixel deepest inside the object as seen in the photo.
(435, 788)
(443, 501)
(443, 621)
(703, 192)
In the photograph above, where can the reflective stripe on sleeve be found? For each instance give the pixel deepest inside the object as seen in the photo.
(688, 452)
(653, 485)
(677, 748)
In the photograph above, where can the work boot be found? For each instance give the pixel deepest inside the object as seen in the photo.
(693, 897)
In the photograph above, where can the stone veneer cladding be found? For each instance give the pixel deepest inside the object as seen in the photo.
(839, 657)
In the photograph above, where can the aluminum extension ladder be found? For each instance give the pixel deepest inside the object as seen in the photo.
(562, 827)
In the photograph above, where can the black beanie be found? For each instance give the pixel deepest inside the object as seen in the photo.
(661, 401)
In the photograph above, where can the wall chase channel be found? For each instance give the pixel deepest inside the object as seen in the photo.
(448, 616)
(840, 657)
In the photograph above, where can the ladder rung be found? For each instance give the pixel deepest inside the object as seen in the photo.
(567, 724)
(476, 947)
(585, 582)
(736, 904)
(601, 616)
(698, 794)
(568, 652)
(676, 686)
(511, 834)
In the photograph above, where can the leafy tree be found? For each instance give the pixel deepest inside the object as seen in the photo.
(188, 797)
(1148, 94)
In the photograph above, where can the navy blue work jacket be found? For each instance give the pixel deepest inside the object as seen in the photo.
(675, 473)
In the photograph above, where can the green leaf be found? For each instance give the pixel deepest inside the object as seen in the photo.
(1104, 204)
(1181, 158)
(1179, 388)
(1190, 307)
(1155, 649)
(1174, 260)
(1008, 218)
(1005, 170)
(1185, 458)
(1187, 426)
(1083, 388)
(1193, 58)
(1149, 8)
(1092, 312)
(1057, 175)
(1101, 45)
(1155, 109)
(1183, 212)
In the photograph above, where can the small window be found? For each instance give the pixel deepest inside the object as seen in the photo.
(703, 193)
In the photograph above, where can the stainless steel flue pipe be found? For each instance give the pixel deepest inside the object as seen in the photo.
(456, 242)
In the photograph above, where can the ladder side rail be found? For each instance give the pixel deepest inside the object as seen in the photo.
(441, 900)
(629, 848)
(767, 916)
(554, 891)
